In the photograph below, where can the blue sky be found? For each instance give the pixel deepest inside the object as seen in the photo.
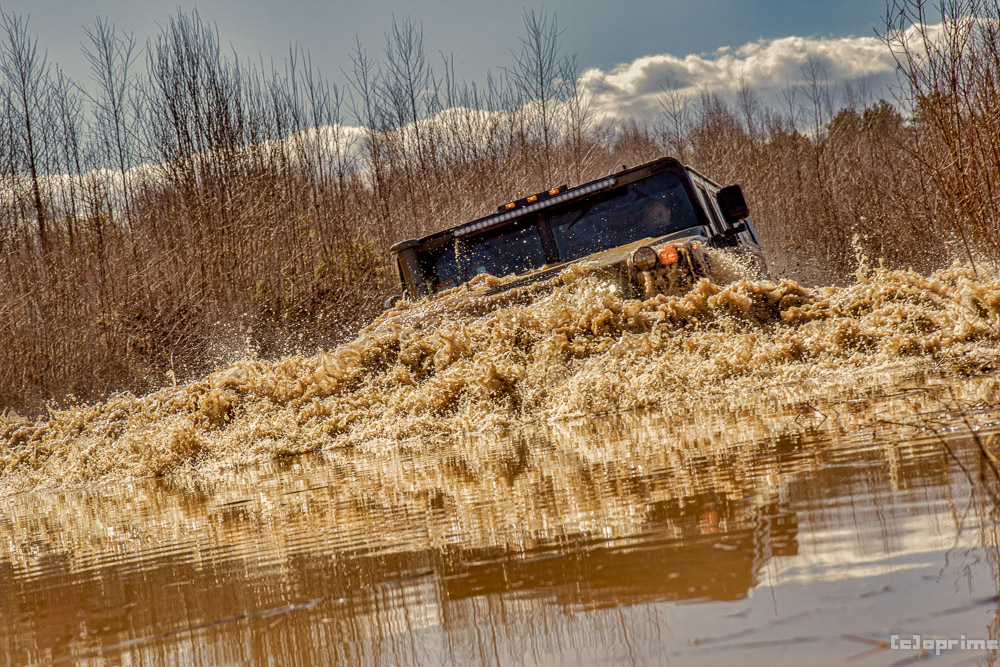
(603, 35)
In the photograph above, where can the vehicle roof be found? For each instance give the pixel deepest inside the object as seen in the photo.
(660, 164)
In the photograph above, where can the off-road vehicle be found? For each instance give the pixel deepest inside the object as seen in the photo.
(660, 217)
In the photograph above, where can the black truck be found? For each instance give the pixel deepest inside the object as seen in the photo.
(659, 216)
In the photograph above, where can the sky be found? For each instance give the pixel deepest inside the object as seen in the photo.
(627, 52)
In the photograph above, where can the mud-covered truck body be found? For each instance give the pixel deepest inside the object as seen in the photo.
(660, 215)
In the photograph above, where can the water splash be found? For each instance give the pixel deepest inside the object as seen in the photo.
(472, 361)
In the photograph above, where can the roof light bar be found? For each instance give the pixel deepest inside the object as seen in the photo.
(558, 199)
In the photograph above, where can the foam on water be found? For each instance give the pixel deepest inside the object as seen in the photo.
(472, 361)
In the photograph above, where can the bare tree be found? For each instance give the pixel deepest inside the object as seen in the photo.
(26, 77)
(818, 94)
(677, 115)
(579, 118)
(540, 74)
(749, 105)
(408, 78)
(8, 170)
(111, 55)
(67, 108)
(365, 79)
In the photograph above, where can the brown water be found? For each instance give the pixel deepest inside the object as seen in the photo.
(754, 473)
(786, 530)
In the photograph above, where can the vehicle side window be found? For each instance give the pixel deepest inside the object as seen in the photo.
(439, 268)
(501, 254)
(447, 269)
(713, 212)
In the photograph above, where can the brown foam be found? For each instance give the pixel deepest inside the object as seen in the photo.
(469, 361)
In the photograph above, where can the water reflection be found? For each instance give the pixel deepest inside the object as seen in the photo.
(779, 525)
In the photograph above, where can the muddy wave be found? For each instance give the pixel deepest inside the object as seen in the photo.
(471, 361)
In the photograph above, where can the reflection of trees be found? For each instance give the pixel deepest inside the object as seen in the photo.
(704, 548)
(493, 539)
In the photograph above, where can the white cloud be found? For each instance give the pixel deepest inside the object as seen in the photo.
(768, 66)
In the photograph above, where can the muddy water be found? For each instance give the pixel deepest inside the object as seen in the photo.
(747, 472)
(783, 528)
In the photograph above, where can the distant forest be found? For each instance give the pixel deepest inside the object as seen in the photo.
(185, 206)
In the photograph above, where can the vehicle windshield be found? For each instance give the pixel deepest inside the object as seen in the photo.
(649, 208)
(654, 206)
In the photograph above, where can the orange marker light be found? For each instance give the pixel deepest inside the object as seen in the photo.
(554, 191)
(532, 198)
(510, 205)
(668, 255)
